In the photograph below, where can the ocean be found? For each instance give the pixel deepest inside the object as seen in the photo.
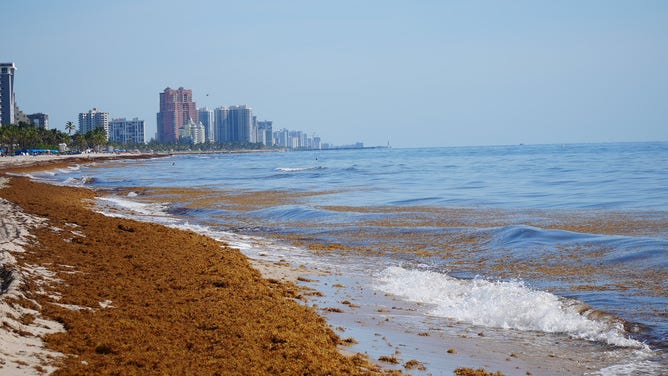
(541, 259)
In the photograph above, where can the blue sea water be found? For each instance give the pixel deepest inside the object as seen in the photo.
(628, 176)
(567, 239)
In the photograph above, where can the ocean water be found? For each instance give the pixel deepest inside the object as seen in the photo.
(551, 245)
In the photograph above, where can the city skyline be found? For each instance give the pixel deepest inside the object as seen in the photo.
(234, 124)
(179, 120)
(434, 73)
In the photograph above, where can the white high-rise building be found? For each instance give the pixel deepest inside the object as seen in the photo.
(281, 137)
(93, 119)
(192, 132)
(265, 133)
(127, 131)
(207, 118)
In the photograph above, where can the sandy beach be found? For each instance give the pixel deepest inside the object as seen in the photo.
(83, 293)
(90, 293)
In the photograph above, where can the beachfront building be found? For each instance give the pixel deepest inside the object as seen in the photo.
(221, 124)
(253, 131)
(7, 98)
(206, 117)
(297, 140)
(192, 133)
(234, 124)
(240, 122)
(265, 133)
(281, 138)
(127, 131)
(176, 109)
(39, 120)
(92, 120)
(317, 143)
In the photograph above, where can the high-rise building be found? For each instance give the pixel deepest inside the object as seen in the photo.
(192, 133)
(253, 136)
(240, 119)
(281, 138)
(93, 119)
(7, 98)
(176, 109)
(127, 131)
(265, 133)
(222, 126)
(39, 120)
(206, 117)
(317, 143)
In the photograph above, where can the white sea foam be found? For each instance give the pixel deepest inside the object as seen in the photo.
(296, 169)
(640, 367)
(78, 181)
(508, 305)
(69, 169)
(133, 207)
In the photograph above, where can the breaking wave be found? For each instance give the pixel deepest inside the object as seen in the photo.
(507, 305)
(298, 169)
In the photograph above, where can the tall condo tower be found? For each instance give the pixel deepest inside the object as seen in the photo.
(240, 121)
(176, 109)
(92, 119)
(7, 98)
(221, 124)
(206, 117)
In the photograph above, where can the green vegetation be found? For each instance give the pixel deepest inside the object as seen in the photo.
(24, 136)
(27, 136)
(69, 127)
(205, 147)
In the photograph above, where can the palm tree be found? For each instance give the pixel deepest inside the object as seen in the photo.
(97, 137)
(69, 127)
(80, 141)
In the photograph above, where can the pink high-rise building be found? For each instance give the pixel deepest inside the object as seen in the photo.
(176, 109)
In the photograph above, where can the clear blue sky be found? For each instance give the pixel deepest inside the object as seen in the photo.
(414, 73)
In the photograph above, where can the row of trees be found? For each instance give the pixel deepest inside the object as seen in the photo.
(154, 146)
(17, 137)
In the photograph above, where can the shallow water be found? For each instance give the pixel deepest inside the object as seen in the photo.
(566, 242)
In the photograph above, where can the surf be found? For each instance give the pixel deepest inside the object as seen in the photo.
(503, 304)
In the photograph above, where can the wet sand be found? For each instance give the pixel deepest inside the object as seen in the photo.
(398, 335)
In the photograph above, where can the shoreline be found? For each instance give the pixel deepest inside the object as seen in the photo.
(378, 339)
(367, 323)
(136, 297)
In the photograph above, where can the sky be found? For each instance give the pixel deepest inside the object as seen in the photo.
(409, 73)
